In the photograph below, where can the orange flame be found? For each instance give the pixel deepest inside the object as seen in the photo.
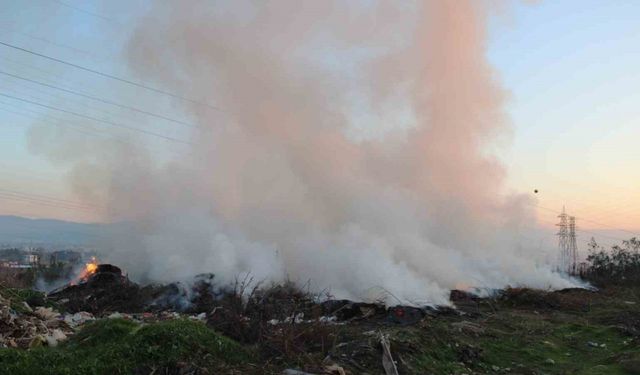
(463, 286)
(89, 269)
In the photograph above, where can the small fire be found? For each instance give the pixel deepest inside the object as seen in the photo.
(465, 287)
(88, 270)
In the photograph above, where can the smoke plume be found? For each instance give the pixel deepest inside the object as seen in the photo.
(351, 149)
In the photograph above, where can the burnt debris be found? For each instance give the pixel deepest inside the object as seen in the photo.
(108, 290)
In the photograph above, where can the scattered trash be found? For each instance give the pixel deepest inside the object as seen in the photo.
(46, 313)
(387, 360)
(28, 328)
(295, 372)
(468, 327)
(201, 317)
(78, 319)
(55, 337)
(334, 369)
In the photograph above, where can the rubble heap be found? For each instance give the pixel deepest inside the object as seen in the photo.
(28, 327)
(105, 290)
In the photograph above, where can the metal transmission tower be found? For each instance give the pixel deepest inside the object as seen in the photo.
(563, 240)
(568, 250)
(573, 247)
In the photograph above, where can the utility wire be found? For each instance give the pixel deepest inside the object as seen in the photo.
(97, 99)
(69, 89)
(176, 96)
(43, 202)
(47, 197)
(80, 128)
(629, 212)
(53, 97)
(77, 9)
(590, 221)
(49, 201)
(612, 210)
(44, 40)
(95, 119)
(59, 122)
(590, 232)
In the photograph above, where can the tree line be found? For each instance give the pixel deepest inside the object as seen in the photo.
(619, 265)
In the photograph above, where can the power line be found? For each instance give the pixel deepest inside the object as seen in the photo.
(40, 72)
(97, 99)
(590, 221)
(176, 96)
(58, 122)
(587, 231)
(69, 89)
(48, 200)
(95, 119)
(79, 127)
(64, 98)
(43, 202)
(50, 96)
(629, 211)
(612, 210)
(44, 40)
(77, 9)
(40, 196)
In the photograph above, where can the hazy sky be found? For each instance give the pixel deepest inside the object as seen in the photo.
(571, 68)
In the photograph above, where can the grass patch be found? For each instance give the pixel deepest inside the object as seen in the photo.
(34, 298)
(116, 346)
(520, 342)
(433, 350)
(554, 347)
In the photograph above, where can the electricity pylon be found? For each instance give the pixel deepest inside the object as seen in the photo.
(568, 249)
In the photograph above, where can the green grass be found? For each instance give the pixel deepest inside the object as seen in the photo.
(564, 344)
(17, 296)
(116, 346)
(525, 343)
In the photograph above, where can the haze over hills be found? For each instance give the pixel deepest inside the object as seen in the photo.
(20, 230)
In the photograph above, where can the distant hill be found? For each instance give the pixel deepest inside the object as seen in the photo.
(20, 230)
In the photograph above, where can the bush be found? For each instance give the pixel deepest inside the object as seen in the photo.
(619, 266)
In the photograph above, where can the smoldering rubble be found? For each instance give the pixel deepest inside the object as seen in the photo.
(108, 291)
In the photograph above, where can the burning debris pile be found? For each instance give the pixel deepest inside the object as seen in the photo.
(29, 319)
(282, 321)
(102, 288)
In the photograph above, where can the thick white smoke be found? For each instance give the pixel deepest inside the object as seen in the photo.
(351, 151)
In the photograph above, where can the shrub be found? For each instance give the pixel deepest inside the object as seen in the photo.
(620, 265)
